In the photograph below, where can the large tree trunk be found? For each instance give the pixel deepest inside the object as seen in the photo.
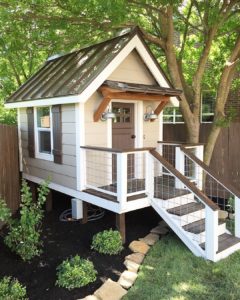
(211, 141)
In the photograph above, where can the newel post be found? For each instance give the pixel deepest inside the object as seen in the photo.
(149, 175)
(211, 228)
(122, 179)
(82, 169)
(198, 170)
(180, 166)
(237, 216)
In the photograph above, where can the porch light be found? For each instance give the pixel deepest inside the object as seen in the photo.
(149, 115)
(108, 115)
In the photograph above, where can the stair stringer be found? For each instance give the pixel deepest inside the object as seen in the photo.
(181, 233)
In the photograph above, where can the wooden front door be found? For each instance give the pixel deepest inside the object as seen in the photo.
(123, 132)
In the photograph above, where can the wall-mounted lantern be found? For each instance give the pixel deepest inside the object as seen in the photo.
(149, 115)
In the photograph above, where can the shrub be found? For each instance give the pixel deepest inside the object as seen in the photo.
(11, 289)
(107, 242)
(75, 273)
(5, 213)
(24, 233)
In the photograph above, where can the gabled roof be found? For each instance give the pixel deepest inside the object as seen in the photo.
(71, 74)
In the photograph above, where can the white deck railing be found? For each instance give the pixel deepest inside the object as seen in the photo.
(119, 173)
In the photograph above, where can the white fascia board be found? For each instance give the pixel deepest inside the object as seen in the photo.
(44, 102)
(134, 43)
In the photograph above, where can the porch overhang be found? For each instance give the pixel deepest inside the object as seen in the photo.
(132, 91)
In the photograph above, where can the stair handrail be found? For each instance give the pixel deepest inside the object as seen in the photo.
(210, 172)
(192, 187)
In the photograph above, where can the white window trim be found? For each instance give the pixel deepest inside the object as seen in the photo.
(174, 115)
(38, 154)
(205, 114)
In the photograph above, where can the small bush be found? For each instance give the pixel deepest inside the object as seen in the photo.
(11, 289)
(107, 242)
(75, 273)
(24, 236)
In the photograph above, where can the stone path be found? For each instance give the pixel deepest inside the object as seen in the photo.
(111, 290)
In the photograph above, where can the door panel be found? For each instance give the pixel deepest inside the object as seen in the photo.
(123, 132)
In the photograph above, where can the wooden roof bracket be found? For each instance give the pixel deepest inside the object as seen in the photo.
(110, 94)
(161, 106)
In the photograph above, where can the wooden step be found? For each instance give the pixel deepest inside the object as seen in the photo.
(198, 226)
(185, 209)
(225, 241)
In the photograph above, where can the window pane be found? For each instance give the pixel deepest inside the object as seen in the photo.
(45, 142)
(43, 117)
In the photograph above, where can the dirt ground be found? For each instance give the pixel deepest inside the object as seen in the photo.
(65, 239)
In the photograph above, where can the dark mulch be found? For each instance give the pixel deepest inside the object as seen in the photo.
(64, 239)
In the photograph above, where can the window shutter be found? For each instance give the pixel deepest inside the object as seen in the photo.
(31, 141)
(57, 133)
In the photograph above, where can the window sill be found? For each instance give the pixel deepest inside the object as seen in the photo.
(44, 156)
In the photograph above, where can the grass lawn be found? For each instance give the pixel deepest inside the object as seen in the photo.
(171, 271)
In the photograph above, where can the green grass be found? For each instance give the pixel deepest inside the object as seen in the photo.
(171, 271)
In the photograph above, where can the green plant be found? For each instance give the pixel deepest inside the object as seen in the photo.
(231, 204)
(5, 213)
(12, 289)
(107, 242)
(75, 273)
(24, 233)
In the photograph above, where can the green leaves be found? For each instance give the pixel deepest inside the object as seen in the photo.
(24, 236)
(75, 273)
(11, 289)
(5, 213)
(107, 242)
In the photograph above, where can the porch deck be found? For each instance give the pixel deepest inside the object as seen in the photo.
(164, 189)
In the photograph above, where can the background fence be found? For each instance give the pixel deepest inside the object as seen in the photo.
(225, 160)
(9, 166)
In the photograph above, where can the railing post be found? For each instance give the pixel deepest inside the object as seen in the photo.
(237, 216)
(82, 167)
(198, 169)
(122, 179)
(149, 175)
(180, 166)
(211, 229)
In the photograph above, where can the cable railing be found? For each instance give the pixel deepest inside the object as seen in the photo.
(192, 209)
(120, 174)
(221, 192)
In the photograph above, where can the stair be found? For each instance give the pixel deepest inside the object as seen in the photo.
(185, 208)
(198, 226)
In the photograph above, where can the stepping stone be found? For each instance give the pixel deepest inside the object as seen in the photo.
(136, 257)
(222, 214)
(110, 290)
(140, 247)
(162, 223)
(127, 279)
(90, 297)
(160, 230)
(131, 265)
(150, 239)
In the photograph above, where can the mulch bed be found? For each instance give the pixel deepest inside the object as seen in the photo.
(65, 239)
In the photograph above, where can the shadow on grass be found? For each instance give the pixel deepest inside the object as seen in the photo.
(171, 271)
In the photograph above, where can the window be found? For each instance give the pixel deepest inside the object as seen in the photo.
(172, 115)
(208, 101)
(43, 133)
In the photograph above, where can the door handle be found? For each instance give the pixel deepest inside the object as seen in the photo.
(133, 136)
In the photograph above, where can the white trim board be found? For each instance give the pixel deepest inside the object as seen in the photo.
(106, 204)
(134, 43)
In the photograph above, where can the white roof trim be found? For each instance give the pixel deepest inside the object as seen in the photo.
(44, 102)
(134, 43)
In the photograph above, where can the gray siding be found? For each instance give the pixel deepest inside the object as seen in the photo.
(64, 174)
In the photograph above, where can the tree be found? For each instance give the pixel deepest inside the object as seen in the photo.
(209, 35)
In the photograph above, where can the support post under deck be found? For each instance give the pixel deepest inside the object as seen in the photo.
(121, 226)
